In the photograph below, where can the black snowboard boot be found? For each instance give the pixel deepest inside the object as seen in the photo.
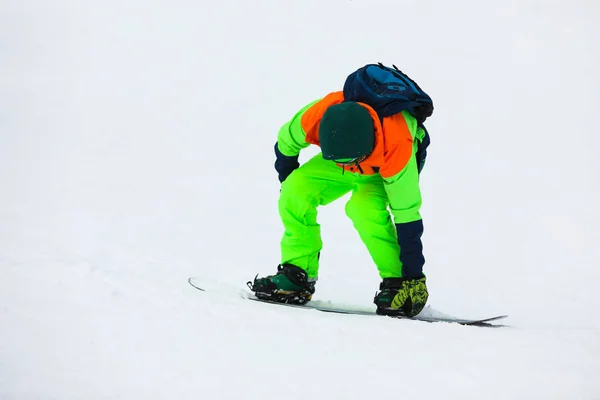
(289, 285)
(401, 297)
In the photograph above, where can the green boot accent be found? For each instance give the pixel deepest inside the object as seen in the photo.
(399, 296)
(289, 285)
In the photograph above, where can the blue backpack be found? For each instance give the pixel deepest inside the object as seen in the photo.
(390, 91)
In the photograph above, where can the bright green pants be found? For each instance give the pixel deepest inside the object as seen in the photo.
(319, 182)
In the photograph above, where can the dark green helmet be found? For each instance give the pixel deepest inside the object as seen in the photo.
(346, 132)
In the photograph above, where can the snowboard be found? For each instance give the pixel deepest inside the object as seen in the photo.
(427, 315)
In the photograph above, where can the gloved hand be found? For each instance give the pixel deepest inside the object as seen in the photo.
(399, 296)
(285, 165)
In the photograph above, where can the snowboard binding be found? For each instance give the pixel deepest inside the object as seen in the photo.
(289, 285)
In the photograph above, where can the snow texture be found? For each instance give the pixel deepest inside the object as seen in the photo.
(136, 150)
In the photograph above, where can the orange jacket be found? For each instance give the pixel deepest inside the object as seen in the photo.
(396, 142)
(393, 139)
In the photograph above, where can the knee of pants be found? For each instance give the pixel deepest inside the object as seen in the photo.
(297, 196)
(364, 208)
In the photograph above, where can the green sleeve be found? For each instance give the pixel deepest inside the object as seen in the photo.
(292, 138)
(404, 193)
(403, 189)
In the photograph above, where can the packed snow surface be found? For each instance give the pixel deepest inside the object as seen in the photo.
(136, 150)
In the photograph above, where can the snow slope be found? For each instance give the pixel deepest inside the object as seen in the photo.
(136, 150)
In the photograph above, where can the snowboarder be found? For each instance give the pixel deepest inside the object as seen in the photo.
(379, 160)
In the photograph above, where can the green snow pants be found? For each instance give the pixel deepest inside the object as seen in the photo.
(319, 182)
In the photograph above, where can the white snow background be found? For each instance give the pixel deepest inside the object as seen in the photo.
(136, 150)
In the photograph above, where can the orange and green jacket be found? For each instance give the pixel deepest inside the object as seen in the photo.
(396, 143)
